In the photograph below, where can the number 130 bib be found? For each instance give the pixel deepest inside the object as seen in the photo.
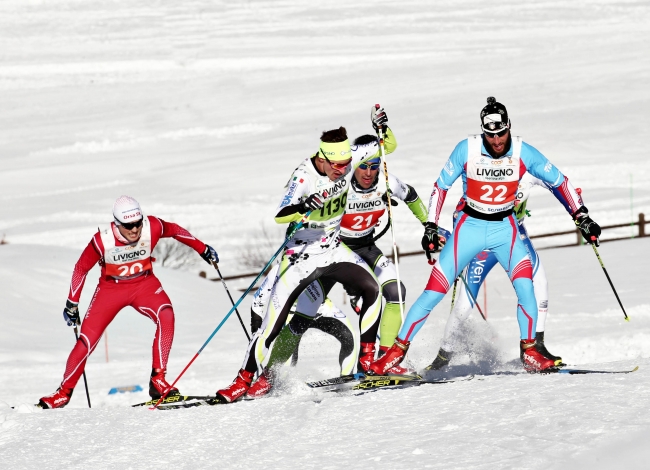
(492, 182)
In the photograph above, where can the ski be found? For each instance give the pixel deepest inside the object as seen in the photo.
(183, 401)
(591, 371)
(363, 382)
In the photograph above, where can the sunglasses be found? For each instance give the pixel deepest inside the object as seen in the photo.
(337, 165)
(492, 135)
(132, 225)
(372, 166)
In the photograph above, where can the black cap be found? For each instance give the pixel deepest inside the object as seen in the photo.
(494, 116)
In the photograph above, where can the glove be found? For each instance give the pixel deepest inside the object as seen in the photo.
(312, 203)
(71, 313)
(430, 239)
(384, 197)
(210, 255)
(378, 118)
(590, 229)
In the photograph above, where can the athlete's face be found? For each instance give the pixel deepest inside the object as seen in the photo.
(497, 142)
(333, 170)
(366, 177)
(133, 234)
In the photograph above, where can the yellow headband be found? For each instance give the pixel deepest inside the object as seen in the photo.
(336, 151)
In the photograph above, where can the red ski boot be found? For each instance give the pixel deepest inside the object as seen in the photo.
(58, 399)
(366, 356)
(532, 359)
(392, 358)
(395, 370)
(158, 386)
(238, 387)
(262, 385)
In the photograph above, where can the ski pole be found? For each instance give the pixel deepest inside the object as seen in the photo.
(216, 266)
(275, 255)
(453, 295)
(382, 154)
(610, 281)
(76, 335)
(472, 296)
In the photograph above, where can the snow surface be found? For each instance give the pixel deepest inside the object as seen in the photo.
(201, 110)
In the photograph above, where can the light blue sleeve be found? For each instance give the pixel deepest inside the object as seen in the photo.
(539, 166)
(454, 167)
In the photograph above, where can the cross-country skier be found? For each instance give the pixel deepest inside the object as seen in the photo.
(491, 165)
(478, 269)
(318, 186)
(123, 251)
(365, 206)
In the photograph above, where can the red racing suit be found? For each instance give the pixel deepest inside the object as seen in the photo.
(126, 279)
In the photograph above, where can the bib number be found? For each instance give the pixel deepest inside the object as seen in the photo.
(489, 189)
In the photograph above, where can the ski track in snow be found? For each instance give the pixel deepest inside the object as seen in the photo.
(201, 110)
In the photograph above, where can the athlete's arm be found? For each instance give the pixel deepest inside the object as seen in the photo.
(291, 208)
(453, 169)
(89, 258)
(171, 230)
(361, 153)
(407, 194)
(539, 166)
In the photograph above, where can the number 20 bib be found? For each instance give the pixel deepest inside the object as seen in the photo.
(492, 182)
(123, 262)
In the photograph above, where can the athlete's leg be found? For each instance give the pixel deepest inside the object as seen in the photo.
(475, 273)
(467, 240)
(504, 241)
(343, 333)
(540, 284)
(384, 269)
(150, 300)
(107, 301)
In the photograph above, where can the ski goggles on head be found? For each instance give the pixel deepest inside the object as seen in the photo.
(372, 164)
(131, 225)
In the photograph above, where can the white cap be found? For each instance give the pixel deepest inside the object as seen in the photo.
(126, 209)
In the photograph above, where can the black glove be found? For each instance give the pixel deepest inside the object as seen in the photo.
(378, 118)
(210, 255)
(430, 240)
(384, 197)
(71, 313)
(590, 229)
(313, 203)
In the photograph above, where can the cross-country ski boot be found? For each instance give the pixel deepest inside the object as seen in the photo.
(441, 360)
(392, 358)
(541, 347)
(262, 385)
(366, 356)
(532, 359)
(158, 386)
(395, 370)
(58, 399)
(237, 388)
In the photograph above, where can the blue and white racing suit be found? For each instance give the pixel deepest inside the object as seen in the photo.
(485, 221)
(478, 269)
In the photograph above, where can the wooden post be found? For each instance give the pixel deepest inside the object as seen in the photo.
(641, 224)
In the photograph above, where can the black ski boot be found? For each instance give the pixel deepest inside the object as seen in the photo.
(441, 360)
(539, 345)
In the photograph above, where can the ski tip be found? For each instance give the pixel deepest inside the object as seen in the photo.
(627, 319)
(635, 369)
